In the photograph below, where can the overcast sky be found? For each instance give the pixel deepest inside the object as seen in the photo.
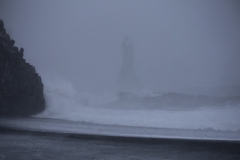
(177, 43)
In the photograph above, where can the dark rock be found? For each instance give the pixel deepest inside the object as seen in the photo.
(21, 50)
(1, 24)
(21, 88)
(12, 42)
(6, 37)
(15, 49)
(21, 53)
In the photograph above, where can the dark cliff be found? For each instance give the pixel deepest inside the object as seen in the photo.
(21, 88)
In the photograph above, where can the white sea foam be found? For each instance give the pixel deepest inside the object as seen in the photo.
(63, 102)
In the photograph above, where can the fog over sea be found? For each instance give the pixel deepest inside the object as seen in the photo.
(135, 109)
(183, 56)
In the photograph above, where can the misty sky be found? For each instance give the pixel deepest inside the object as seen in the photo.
(177, 43)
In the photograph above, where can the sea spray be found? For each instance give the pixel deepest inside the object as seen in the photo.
(63, 102)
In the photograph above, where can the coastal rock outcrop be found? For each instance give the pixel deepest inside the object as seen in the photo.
(21, 88)
(127, 81)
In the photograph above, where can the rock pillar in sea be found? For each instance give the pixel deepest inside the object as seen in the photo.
(127, 81)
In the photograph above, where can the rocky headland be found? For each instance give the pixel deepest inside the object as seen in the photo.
(21, 88)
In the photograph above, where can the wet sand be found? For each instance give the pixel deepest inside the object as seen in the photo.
(22, 145)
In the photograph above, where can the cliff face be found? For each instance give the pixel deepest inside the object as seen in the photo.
(21, 88)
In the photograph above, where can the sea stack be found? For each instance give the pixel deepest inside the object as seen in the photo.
(127, 81)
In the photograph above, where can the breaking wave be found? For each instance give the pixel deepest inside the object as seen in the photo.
(145, 108)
